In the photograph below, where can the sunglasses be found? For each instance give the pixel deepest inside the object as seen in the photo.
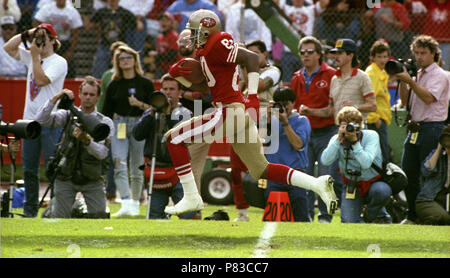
(10, 27)
(125, 58)
(309, 51)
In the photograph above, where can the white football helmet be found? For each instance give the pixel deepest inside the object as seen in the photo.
(203, 24)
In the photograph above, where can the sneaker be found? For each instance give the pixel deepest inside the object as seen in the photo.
(190, 202)
(406, 221)
(327, 193)
(241, 218)
(322, 220)
(125, 210)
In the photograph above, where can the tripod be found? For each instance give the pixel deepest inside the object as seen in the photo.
(8, 197)
(156, 136)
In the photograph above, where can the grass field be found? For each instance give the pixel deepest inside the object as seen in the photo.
(141, 238)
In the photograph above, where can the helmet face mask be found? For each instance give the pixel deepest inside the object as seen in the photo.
(203, 24)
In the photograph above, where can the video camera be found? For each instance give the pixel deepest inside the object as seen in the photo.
(393, 67)
(89, 123)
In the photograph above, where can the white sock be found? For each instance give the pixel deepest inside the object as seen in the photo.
(304, 180)
(188, 183)
(243, 211)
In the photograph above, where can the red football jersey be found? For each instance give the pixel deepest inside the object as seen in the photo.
(218, 60)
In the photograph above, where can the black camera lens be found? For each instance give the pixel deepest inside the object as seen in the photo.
(279, 106)
(351, 127)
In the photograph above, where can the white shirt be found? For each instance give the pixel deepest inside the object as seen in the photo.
(55, 68)
(137, 7)
(10, 66)
(254, 27)
(304, 17)
(13, 10)
(63, 20)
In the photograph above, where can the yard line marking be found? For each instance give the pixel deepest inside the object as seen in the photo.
(263, 248)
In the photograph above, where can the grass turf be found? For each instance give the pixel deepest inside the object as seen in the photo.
(174, 238)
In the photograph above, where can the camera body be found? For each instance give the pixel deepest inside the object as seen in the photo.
(393, 67)
(280, 106)
(351, 185)
(39, 35)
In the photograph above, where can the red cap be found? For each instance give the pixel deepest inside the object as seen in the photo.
(49, 27)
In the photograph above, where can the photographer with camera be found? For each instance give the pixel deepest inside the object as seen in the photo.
(432, 203)
(426, 97)
(166, 183)
(46, 73)
(356, 150)
(292, 150)
(81, 166)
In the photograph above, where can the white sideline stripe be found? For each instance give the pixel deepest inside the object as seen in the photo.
(262, 248)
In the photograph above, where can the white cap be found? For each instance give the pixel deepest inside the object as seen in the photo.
(7, 20)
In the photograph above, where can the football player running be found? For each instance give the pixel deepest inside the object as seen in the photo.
(220, 58)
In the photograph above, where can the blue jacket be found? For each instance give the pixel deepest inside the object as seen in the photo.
(286, 154)
(433, 178)
(362, 154)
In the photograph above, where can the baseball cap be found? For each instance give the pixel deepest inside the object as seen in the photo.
(7, 20)
(49, 28)
(346, 45)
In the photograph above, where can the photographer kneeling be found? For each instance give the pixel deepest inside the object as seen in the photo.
(433, 196)
(81, 166)
(356, 150)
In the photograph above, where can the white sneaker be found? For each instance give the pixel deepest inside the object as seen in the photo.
(241, 218)
(406, 221)
(125, 210)
(134, 208)
(190, 202)
(326, 193)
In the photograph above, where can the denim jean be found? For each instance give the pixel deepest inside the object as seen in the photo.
(377, 198)
(101, 62)
(123, 150)
(31, 159)
(384, 139)
(160, 199)
(297, 197)
(110, 183)
(412, 158)
(317, 143)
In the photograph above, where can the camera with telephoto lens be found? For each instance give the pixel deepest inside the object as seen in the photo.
(351, 185)
(351, 127)
(393, 67)
(280, 106)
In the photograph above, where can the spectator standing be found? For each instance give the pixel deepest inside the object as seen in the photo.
(381, 119)
(45, 79)
(185, 8)
(432, 200)
(84, 165)
(293, 147)
(356, 151)
(166, 183)
(126, 98)
(106, 79)
(391, 20)
(350, 86)
(245, 26)
(428, 101)
(339, 20)
(114, 22)
(67, 23)
(26, 8)
(303, 17)
(9, 67)
(437, 25)
(311, 85)
(11, 8)
(166, 52)
(137, 37)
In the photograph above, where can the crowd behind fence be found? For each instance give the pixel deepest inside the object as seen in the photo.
(86, 33)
